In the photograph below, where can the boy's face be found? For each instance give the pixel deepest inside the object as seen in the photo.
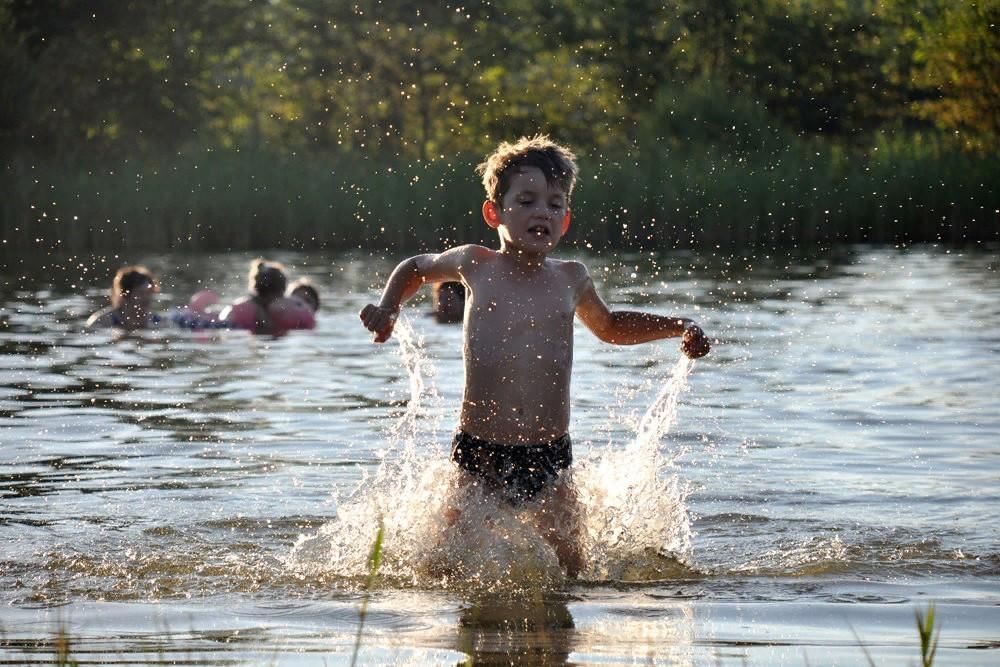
(533, 215)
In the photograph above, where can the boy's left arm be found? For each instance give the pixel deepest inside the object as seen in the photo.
(626, 327)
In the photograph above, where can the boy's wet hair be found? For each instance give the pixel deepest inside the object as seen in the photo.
(129, 278)
(305, 285)
(267, 279)
(557, 163)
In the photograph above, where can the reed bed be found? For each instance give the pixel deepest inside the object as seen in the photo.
(783, 193)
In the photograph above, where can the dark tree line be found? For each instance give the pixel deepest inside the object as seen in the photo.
(418, 80)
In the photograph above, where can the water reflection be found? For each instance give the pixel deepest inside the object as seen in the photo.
(597, 627)
(536, 630)
(650, 629)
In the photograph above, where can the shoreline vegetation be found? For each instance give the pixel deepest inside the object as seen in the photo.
(212, 199)
(227, 125)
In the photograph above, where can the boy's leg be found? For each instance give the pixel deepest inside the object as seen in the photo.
(439, 563)
(558, 520)
(460, 497)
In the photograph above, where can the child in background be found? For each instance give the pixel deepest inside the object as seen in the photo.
(303, 290)
(204, 302)
(266, 282)
(296, 310)
(132, 292)
(201, 312)
(513, 437)
(448, 302)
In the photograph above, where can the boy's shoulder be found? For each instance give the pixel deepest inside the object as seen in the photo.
(570, 267)
(472, 250)
(468, 256)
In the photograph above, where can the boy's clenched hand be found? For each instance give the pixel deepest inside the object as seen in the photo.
(695, 343)
(379, 320)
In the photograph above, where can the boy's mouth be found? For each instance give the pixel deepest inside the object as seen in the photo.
(538, 230)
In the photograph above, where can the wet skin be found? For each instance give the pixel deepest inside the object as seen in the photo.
(519, 314)
(518, 352)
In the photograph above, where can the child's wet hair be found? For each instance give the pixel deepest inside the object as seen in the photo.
(267, 279)
(558, 163)
(305, 286)
(129, 278)
(453, 286)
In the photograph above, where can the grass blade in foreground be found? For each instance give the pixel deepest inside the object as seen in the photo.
(928, 636)
(374, 560)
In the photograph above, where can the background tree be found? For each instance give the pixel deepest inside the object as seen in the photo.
(955, 54)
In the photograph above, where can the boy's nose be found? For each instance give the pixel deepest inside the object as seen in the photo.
(543, 212)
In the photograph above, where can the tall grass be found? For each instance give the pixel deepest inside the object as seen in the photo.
(374, 562)
(221, 200)
(929, 635)
(803, 195)
(713, 168)
(928, 632)
(669, 191)
(62, 645)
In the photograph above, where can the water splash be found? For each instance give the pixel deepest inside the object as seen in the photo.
(633, 518)
(635, 515)
(407, 492)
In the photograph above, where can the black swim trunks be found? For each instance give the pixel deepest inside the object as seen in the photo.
(519, 472)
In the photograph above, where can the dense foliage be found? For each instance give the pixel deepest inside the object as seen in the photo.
(363, 99)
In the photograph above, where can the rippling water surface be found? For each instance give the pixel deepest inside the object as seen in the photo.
(831, 467)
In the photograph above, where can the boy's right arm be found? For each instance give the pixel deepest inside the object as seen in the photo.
(404, 282)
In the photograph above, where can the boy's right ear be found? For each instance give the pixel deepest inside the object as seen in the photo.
(490, 214)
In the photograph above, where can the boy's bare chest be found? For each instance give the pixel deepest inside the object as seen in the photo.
(541, 309)
(510, 334)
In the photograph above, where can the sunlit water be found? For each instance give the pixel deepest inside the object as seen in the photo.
(831, 467)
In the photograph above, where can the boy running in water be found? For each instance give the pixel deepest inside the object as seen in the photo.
(513, 429)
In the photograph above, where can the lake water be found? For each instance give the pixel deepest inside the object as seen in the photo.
(831, 468)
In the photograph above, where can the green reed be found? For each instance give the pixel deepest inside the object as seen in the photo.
(766, 191)
(928, 631)
(374, 561)
(929, 635)
(220, 200)
(62, 646)
(804, 193)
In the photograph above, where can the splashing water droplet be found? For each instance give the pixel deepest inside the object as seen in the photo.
(635, 517)
(634, 520)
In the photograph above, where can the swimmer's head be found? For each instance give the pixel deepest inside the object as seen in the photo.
(133, 284)
(449, 301)
(267, 279)
(303, 290)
